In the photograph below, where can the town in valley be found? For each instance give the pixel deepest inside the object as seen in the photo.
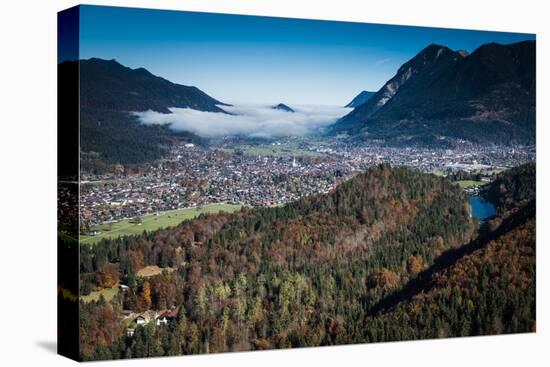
(267, 173)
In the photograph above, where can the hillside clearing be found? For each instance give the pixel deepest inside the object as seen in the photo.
(108, 294)
(152, 270)
(470, 183)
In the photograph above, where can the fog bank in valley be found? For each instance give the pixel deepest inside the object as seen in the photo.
(248, 120)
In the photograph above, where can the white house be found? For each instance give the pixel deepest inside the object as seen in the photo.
(123, 287)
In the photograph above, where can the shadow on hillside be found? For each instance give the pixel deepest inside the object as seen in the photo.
(423, 281)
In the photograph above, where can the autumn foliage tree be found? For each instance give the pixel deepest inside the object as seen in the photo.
(415, 264)
(108, 276)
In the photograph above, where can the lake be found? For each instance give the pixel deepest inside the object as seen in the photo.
(481, 208)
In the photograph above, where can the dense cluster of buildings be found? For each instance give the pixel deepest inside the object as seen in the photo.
(463, 157)
(197, 176)
(193, 176)
(67, 207)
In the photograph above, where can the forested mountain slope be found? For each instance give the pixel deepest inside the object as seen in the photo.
(513, 188)
(109, 93)
(388, 255)
(303, 274)
(488, 289)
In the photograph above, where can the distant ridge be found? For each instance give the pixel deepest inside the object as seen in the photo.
(282, 107)
(107, 84)
(361, 98)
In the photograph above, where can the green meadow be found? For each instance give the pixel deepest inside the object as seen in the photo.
(153, 222)
(469, 183)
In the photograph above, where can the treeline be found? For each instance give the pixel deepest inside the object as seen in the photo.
(467, 176)
(309, 273)
(112, 137)
(513, 187)
(118, 137)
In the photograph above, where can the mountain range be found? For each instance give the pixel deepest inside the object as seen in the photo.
(439, 95)
(109, 93)
(106, 84)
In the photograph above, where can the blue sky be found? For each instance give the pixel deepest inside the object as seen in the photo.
(248, 59)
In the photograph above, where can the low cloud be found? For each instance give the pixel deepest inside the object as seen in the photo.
(248, 120)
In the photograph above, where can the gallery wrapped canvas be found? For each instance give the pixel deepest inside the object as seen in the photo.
(239, 183)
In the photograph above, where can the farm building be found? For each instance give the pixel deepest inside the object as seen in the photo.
(146, 317)
(167, 317)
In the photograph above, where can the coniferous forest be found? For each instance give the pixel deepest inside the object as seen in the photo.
(391, 254)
